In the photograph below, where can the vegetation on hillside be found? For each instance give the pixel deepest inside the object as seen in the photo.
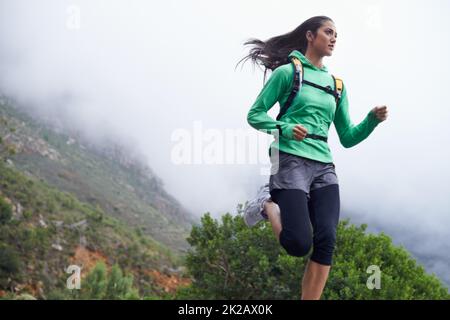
(228, 260)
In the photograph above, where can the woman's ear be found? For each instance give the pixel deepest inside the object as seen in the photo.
(309, 36)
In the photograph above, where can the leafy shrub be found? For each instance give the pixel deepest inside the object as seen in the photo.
(228, 260)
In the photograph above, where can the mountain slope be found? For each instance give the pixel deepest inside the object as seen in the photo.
(44, 230)
(104, 175)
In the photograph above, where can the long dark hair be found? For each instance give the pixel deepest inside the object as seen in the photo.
(274, 52)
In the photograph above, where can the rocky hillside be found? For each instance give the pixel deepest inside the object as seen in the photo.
(104, 174)
(44, 230)
(65, 200)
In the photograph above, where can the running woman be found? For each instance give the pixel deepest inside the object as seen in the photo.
(301, 200)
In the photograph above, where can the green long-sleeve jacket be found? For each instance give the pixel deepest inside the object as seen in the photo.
(312, 108)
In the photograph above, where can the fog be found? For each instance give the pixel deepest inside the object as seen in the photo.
(162, 73)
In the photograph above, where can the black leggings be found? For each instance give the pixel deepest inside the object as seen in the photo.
(298, 215)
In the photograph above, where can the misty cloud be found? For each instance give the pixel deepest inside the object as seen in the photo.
(146, 69)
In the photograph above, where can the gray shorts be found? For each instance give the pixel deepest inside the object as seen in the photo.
(290, 171)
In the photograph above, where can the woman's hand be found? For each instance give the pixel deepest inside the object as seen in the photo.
(381, 112)
(299, 132)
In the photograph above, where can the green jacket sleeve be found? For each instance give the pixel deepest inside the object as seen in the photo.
(275, 87)
(350, 134)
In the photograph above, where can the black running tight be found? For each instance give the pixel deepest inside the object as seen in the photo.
(309, 223)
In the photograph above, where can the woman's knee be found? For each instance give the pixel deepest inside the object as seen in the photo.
(325, 238)
(324, 245)
(294, 245)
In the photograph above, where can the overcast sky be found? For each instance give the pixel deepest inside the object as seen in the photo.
(160, 71)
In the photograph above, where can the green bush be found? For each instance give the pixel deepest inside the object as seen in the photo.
(27, 214)
(5, 211)
(228, 260)
(10, 265)
(51, 205)
(68, 201)
(98, 284)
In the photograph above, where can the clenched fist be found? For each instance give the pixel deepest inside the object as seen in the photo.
(299, 132)
(381, 112)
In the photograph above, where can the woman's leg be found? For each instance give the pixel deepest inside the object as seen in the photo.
(324, 208)
(273, 213)
(314, 280)
(294, 232)
(316, 274)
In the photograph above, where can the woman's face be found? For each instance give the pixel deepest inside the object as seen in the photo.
(324, 41)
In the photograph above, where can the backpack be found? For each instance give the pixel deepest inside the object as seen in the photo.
(298, 81)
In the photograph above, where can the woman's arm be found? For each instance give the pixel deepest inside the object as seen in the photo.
(277, 85)
(350, 134)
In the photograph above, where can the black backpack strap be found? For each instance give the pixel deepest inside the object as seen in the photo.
(317, 137)
(327, 89)
(298, 80)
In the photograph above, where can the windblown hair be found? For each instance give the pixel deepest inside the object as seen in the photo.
(274, 52)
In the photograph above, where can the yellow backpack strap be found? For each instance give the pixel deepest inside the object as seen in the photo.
(297, 63)
(338, 88)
